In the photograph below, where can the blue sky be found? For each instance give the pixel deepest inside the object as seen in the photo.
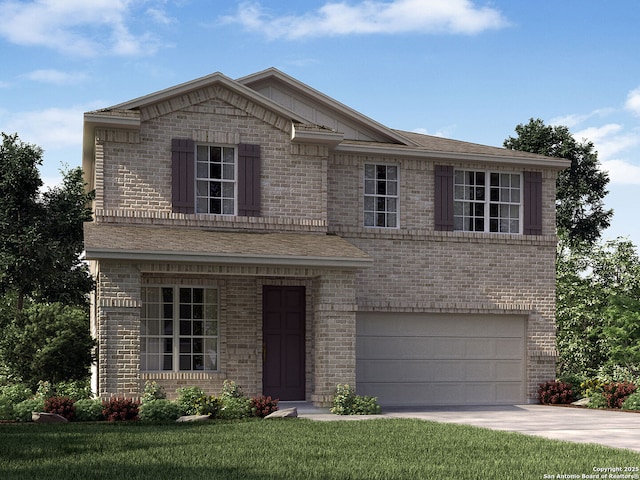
(464, 69)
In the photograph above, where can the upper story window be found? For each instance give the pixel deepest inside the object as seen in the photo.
(219, 180)
(487, 201)
(216, 180)
(179, 329)
(381, 195)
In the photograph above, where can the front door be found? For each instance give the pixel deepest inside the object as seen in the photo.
(283, 321)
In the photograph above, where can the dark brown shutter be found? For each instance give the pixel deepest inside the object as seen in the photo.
(249, 180)
(532, 203)
(443, 198)
(182, 175)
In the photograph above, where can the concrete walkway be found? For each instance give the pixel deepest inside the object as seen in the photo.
(609, 428)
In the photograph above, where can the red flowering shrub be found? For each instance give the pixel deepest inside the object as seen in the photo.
(116, 409)
(555, 392)
(617, 393)
(263, 406)
(63, 406)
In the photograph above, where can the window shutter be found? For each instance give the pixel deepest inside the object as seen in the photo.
(249, 180)
(443, 198)
(182, 175)
(532, 203)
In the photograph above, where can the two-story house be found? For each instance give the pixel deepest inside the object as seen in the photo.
(259, 231)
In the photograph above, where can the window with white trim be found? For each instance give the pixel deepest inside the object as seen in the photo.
(381, 195)
(487, 201)
(179, 329)
(216, 180)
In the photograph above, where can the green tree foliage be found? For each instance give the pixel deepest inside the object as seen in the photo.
(581, 188)
(40, 234)
(598, 309)
(48, 342)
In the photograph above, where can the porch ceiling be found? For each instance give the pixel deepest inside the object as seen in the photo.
(192, 245)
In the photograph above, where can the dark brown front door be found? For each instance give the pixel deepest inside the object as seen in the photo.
(283, 319)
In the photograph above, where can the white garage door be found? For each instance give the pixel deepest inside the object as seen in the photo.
(441, 359)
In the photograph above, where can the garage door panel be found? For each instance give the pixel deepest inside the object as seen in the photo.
(424, 359)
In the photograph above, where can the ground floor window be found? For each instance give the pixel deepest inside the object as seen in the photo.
(179, 329)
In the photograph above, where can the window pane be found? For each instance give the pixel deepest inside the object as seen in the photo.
(392, 188)
(185, 362)
(215, 154)
(391, 220)
(479, 193)
(211, 328)
(202, 170)
(380, 204)
(228, 172)
(215, 206)
(368, 219)
(228, 155)
(380, 220)
(202, 205)
(370, 171)
(185, 312)
(381, 188)
(369, 187)
(168, 327)
(167, 295)
(392, 173)
(167, 362)
(198, 362)
(215, 189)
(197, 345)
(228, 189)
(215, 171)
(185, 327)
(391, 205)
(185, 345)
(203, 153)
(381, 172)
(168, 345)
(228, 207)
(197, 327)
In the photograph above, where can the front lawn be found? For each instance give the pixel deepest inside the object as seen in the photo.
(291, 449)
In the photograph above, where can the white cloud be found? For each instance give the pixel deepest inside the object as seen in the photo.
(75, 27)
(56, 77)
(575, 119)
(442, 132)
(609, 140)
(633, 101)
(372, 17)
(622, 172)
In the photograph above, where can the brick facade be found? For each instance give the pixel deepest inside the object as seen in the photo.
(307, 189)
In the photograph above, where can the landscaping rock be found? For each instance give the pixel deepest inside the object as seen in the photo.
(42, 417)
(583, 402)
(193, 418)
(285, 413)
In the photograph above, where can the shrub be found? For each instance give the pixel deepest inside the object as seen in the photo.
(617, 393)
(231, 389)
(75, 389)
(120, 409)
(597, 400)
(16, 393)
(575, 382)
(263, 406)
(346, 402)
(189, 399)
(591, 386)
(235, 408)
(6, 408)
(632, 402)
(555, 392)
(45, 389)
(209, 406)
(88, 410)
(153, 391)
(63, 406)
(159, 410)
(22, 411)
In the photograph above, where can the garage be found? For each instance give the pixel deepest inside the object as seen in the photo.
(408, 359)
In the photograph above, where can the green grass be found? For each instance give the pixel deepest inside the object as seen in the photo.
(291, 449)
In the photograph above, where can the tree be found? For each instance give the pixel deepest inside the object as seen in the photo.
(580, 213)
(21, 237)
(40, 234)
(598, 309)
(49, 342)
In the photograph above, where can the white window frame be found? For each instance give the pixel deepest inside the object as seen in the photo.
(175, 337)
(201, 196)
(469, 196)
(376, 196)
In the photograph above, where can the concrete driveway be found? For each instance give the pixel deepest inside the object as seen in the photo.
(609, 428)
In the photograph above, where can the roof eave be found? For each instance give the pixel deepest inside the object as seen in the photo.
(144, 256)
(389, 150)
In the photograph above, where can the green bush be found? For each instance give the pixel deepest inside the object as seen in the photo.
(235, 408)
(597, 400)
(632, 402)
(263, 406)
(346, 402)
(190, 399)
(231, 389)
(88, 410)
(22, 411)
(6, 408)
(75, 389)
(159, 410)
(210, 405)
(153, 391)
(591, 386)
(16, 393)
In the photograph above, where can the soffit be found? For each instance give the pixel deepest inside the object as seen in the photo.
(191, 245)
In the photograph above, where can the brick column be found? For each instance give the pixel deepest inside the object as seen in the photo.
(334, 334)
(118, 330)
